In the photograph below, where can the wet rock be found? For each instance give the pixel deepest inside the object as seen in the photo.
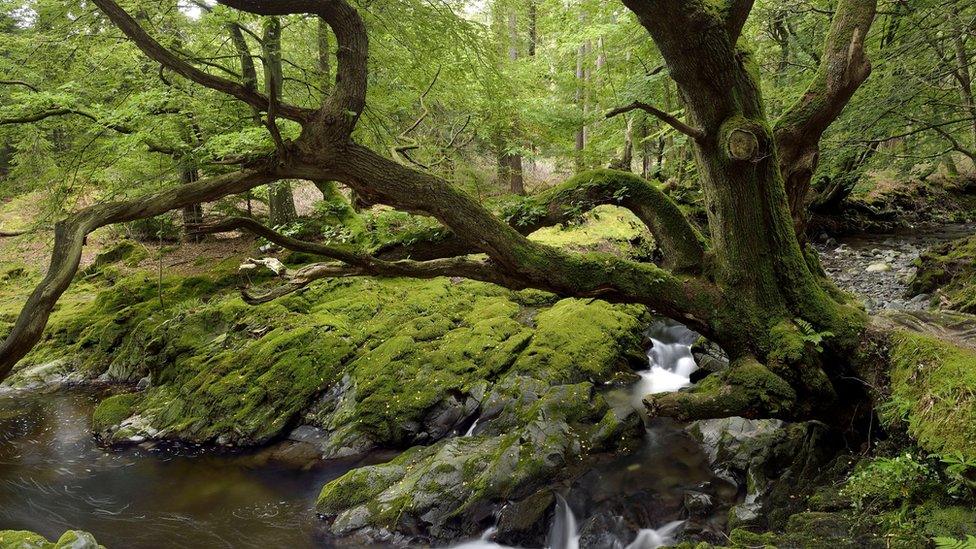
(144, 383)
(698, 504)
(769, 460)
(46, 375)
(442, 490)
(72, 539)
(523, 522)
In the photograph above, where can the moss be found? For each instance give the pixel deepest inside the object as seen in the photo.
(113, 410)
(72, 539)
(950, 270)
(933, 388)
(954, 520)
(22, 539)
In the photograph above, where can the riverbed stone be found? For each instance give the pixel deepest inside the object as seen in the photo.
(71, 539)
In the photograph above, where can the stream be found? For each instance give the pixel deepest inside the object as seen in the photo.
(54, 477)
(877, 268)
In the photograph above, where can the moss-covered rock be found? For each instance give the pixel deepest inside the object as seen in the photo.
(449, 489)
(933, 389)
(72, 539)
(950, 271)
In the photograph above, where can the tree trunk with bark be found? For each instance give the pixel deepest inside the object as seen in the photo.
(281, 204)
(749, 286)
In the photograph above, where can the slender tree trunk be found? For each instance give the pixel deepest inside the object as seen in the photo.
(533, 27)
(511, 162)
(281, 204)
(963, 73)
(192, 214)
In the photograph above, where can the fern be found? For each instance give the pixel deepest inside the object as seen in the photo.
(952, 543)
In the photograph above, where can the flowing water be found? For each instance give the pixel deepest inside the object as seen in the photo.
(650, 484)
(54, 477)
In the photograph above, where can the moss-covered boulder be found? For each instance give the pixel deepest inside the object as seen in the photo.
(948, 270)
(933, 390)
(374, 363)
(453, 488)
(22, 539)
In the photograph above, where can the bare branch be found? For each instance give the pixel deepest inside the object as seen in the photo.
(157, 52)
(356, 263)
(9, 234)
(695, 133)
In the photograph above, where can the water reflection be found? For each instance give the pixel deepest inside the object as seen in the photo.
(53, 477)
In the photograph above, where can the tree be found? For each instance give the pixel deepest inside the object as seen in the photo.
(748, 285)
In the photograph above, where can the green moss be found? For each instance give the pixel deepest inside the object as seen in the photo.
(113, 410)
(933, 388)
(72, 539)
(22, 539)
(950, 270)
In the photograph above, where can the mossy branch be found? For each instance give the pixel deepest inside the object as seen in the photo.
(682, 246)
(69, 239)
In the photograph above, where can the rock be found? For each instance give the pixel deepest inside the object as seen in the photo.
(144, 383)
(447, 489)
(880, 267)
(72, 539)
(45, 375)
(698, 504)
(724, 439)
(769, 460)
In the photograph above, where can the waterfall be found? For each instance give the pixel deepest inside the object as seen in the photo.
(564, 533)
(670, 363)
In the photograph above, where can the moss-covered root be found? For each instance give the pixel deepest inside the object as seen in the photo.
(747, 389)
(22, 539)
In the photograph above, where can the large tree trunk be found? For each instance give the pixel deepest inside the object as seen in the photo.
(774, 295)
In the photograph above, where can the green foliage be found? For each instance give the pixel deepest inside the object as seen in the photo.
(952, 543)
(810, 334)
(890, 481)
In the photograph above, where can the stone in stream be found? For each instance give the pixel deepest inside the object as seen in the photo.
(72, 539)
(768, 459)
(879, 267)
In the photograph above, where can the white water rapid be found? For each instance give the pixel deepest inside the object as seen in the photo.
(669, 360)
(670, 365)
(564, 533)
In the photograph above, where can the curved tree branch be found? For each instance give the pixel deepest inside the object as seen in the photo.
(348, 97)
(27, 85)
(157, 52)
(37, 117)
(844, 66)
(680, 242)
(69, 239)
